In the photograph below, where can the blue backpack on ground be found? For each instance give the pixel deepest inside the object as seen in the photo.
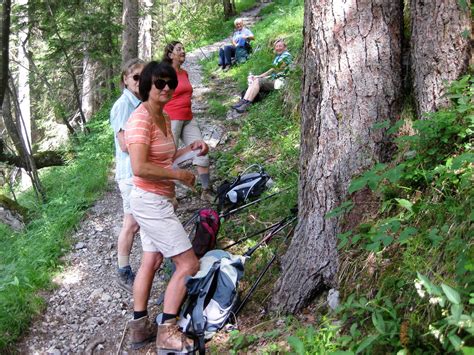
(212, 295)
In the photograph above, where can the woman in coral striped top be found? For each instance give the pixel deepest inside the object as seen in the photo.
(152, 151)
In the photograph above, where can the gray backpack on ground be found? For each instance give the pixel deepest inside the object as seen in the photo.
(212, 295)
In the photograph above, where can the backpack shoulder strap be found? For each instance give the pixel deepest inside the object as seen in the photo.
(198, 311)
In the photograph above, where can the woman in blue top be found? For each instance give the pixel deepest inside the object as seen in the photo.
(240, 42)
(119, 115)
(270, 80)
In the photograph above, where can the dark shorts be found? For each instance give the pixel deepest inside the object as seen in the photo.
(266, 84)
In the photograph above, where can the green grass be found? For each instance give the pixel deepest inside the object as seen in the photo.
(28, 259)
(267, 135)
(284, 21)
(197, 26)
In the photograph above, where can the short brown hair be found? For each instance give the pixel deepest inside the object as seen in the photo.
(128, 66)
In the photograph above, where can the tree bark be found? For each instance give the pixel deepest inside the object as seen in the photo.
(26, 146)
(88, 74)
(41, 159)
(352, 80)
(130, 30)
(10, 125)
(145, 48)
(229, 9)
(24, 74)
(440, 49)
(5, 37)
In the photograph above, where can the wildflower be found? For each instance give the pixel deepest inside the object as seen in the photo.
(435, 300)
(419, 288)
(435, 332)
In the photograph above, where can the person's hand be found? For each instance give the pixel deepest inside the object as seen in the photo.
(186, 177)
(199, 145)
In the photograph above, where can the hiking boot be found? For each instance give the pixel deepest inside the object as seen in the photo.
(226, 68)
(242, 108)
(125, 278)
(171, 340)
(238, 104)
(142, 331)
(207, 195)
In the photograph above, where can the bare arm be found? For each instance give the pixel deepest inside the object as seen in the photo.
(267, 73)
(145, 169)
(121, 141)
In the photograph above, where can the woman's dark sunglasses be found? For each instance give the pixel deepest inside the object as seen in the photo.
(160, 84)
(136, 77)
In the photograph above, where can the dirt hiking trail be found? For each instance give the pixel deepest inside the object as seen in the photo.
(87, 312)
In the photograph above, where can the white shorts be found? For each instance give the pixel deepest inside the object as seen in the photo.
(125, 187)
(160, 229)
(189, 132)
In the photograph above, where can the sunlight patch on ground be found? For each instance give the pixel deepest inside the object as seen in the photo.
(69, 277)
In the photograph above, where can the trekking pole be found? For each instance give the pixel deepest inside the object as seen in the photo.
(228, 213)
(259, 278)
(256, 233)
(267, 238)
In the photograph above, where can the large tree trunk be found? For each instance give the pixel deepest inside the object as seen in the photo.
(440, 48)
(23, 74)
(130, 30)
(24, 85)
(145, 49)
(352, 79)
(88, 74)
(4, 42)
(229, 8)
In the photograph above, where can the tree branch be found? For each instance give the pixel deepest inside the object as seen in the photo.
(41, 159)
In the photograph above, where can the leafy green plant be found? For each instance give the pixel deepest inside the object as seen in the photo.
(455, 327)
(308, 340)
(239, 341)
(379, 314)
(424, 225)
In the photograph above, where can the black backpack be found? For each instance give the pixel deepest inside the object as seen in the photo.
(244, 187)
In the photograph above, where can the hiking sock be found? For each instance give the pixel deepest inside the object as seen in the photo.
(204, 181)
(167, 316)
(123, 260)
(140, 314)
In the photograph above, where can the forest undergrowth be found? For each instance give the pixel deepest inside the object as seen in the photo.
(406, 277)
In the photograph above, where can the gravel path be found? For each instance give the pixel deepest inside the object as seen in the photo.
(87, 312)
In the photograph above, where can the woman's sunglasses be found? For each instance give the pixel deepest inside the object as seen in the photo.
(136, 77)
(160, 84)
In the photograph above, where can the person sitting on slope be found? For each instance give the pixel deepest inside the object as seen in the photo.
(271, 79)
